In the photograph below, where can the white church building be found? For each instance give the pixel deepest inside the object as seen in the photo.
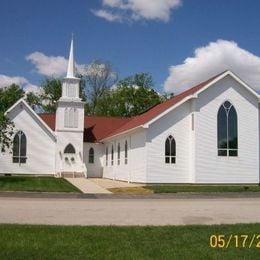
(207, 134)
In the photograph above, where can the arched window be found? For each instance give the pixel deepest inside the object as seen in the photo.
(118, 154)
(112, 155)
(126, 152)
(170, 150)
(69, 149)
(106, 156)
(19, 148)
(91, 155)
(227, 130)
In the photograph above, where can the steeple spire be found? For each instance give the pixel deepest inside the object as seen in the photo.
(71, 64)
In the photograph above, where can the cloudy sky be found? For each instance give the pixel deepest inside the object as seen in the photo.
(180, 42)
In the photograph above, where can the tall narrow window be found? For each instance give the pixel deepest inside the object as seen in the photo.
(126, 152)
(71, 118)
(227, 130)
(106, 156)
(91, 155)
(112, 155)
(19, 148)
(66, 117)
(75, 119)
(69, 149)
(170, 150)
(118, 154)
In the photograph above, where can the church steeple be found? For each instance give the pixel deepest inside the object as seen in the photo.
(70, 85)
(71, 64)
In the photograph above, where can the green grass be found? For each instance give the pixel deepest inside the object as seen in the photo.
(40, 184)
(171, 188)
(99, 242)
(131, 190)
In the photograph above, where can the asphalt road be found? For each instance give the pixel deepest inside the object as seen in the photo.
(173, 211)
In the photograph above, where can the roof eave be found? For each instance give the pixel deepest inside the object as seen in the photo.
(33, 112)
(170, 109)
(234, 76)
(122, 133)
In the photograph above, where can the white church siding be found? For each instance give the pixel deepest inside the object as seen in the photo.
(94, 169)
(67, 165)
(178, 124)
(211, 168)
(135, 169)
(40, 145)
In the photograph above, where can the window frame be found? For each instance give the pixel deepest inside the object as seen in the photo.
(112, 155)
(67, 149)
(118, 153)
(227, 152)
(91, 155)
(170, 157)
(106, 156)
(21, 157)
(126, 152)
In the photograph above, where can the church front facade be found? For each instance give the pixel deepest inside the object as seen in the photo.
(207, 134)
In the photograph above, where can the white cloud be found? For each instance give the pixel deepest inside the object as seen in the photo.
(107, 15)
(6, 81)
(31, 88)
(211, 60)
(50, 65)
(125, 10)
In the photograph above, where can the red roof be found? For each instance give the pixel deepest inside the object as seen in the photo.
(96, 128)
(99, 127)
(158, 109)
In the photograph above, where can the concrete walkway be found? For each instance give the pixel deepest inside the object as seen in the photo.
(108, 184)
(87, 186)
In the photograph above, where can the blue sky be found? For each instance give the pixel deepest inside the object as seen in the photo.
(155, 36)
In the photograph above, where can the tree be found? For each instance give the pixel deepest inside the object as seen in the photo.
(8, 96)
(51, 92)
(33, 100)
(99, 77)
(144, 80)
(132, 96)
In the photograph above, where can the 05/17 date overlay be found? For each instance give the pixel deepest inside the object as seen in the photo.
(234, 240)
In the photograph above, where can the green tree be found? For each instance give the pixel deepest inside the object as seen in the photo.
(51, 91)
(50, 94)
(98, 78)
(33, 100)
(132, 96)
(8, 96)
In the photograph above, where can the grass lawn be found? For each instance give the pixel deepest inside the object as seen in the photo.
(42, 184)
(173, 188)
(99, 242)
(202, 188)
(131, 190)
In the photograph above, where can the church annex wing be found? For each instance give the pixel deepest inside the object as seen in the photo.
(98, 128)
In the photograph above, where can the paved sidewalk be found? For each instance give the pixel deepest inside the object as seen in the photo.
(129, 211)
(87, 186)
(112, 196)
(108, 183)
